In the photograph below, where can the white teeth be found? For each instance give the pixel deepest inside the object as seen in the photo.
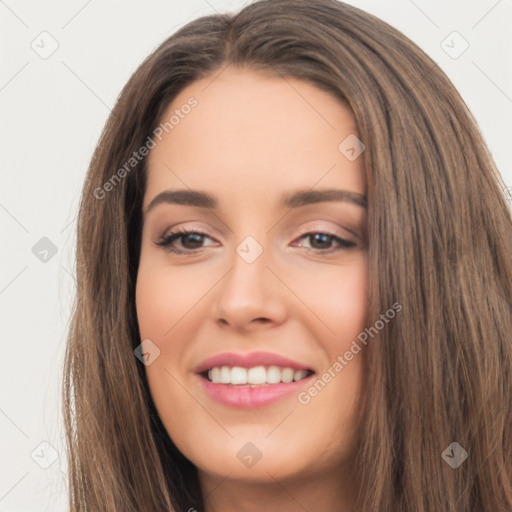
(299, 375)
(238, 375)
(287, 375)
(274, 375)
(225, 375)
(215, 374)
(255, 376)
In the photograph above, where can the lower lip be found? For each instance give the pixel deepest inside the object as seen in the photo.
(250, 397)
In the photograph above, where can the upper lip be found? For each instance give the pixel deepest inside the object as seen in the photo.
(249, 360)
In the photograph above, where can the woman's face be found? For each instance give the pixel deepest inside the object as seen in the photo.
(257, 290)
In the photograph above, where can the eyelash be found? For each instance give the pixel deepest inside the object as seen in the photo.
(166, 241)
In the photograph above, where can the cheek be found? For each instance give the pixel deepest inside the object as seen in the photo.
(351, 299)
(338, 297)
(163, 300)
(163, 297)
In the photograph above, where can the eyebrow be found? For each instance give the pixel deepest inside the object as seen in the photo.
(294, 199)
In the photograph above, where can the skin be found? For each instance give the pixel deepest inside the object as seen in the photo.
(250, 138)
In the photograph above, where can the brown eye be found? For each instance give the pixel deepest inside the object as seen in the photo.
(321, 242)
(190, 241)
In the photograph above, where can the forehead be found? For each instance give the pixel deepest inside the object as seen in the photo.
(250, 135)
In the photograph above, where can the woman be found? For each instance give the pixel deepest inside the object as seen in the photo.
(272, 371)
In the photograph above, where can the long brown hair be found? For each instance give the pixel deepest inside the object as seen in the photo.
(439, 241)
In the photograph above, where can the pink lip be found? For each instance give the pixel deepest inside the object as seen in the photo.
(246, 396)
(249, 360)
(249, 398)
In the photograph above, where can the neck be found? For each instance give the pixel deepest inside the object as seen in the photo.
(330, 492)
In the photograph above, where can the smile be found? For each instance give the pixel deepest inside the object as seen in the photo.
(251, 380)
(255, 376)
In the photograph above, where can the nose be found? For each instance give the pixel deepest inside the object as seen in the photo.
(250, 296)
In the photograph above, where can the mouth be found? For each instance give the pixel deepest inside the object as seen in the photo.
(255, 376)
(251, 380)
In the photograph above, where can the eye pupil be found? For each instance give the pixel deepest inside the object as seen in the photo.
(326, 239)
(198, 238)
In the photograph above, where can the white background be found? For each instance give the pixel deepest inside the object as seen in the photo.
(52, 112)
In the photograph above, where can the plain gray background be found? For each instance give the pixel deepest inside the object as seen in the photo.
(53, 108)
